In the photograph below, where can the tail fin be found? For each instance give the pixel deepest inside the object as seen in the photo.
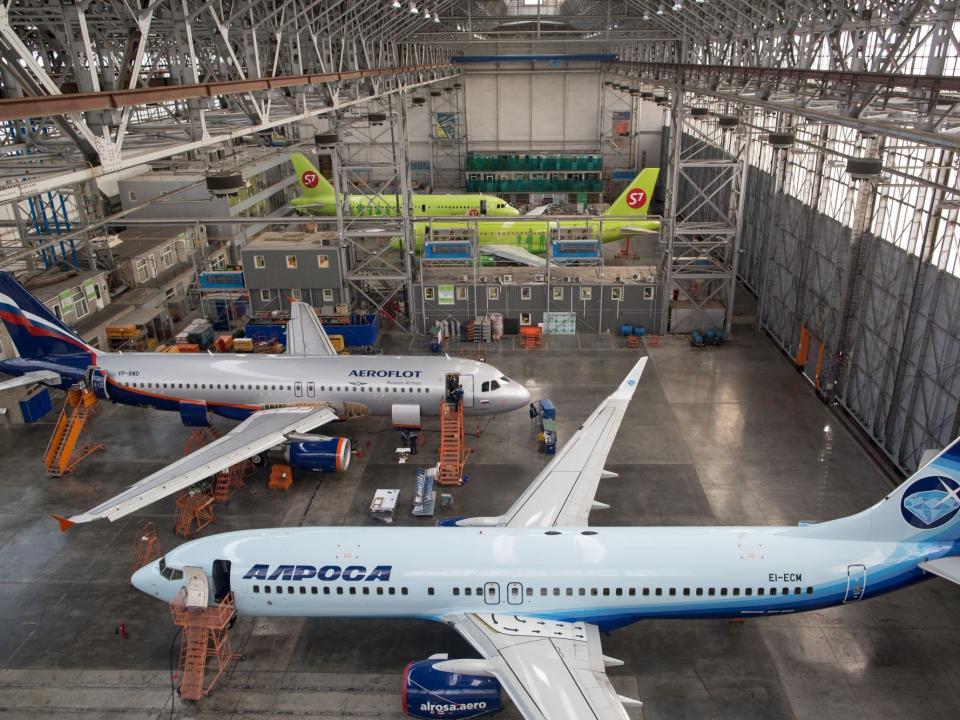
(635, 199)
(34, 330)
(313, 185)
(925, 508)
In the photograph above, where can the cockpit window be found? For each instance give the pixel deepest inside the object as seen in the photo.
(163, 564)
(494, 385)
(485, 387)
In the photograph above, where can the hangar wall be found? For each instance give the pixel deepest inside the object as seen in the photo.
(885, 302)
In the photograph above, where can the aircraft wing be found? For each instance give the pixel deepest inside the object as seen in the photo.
(562, 494)
(946, 567)
(305, 334)
(551, 670)
(37, 376)
(537, 211)
(258, 433)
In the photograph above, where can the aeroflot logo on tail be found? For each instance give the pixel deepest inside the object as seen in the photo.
(325, 572)
(386, 373)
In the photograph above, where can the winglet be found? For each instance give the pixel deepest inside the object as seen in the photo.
(629, 384)
(65, 524)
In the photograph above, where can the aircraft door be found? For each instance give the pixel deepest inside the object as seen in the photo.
(221, 579)
(856, 583)
(515, 593)
(466, 382)
(298, 389)
(483, 207)
(311, 389)
(491, 593)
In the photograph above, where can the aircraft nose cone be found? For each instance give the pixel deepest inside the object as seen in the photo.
(144, 579)
(524, 397)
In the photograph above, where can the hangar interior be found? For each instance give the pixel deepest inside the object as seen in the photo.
(760, 197)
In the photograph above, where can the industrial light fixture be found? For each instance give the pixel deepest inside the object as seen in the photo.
(396, 4)
(426, 13)
(436, 15)
(660, 9)
(677, 5)
(413, 9)
(646, 15)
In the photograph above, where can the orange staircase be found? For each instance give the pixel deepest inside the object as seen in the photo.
(231, 479)
(199, 437)
(147, 547)
(194, 513)
(205, 650)
(62, 454)
(453, 454)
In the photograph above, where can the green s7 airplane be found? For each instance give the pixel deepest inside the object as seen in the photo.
(319, 198)
(530, 232)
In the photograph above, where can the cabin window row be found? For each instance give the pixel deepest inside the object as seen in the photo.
(288, 388)
(328, 590)
(646, 592)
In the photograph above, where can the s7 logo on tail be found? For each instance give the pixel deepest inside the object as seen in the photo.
(637, 198)
(310, 179)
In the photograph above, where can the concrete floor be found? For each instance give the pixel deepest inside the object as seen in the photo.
(714, 436)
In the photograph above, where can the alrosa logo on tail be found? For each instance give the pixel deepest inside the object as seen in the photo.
(931, 502)
(636, 198)
(310, 179)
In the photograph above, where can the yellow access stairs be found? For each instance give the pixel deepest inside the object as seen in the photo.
(63, 454)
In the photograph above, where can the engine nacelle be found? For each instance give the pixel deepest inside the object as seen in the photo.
(323, 454)
(432, 694)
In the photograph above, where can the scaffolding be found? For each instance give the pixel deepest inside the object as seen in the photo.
(194, 512)
(448, 137)
(376, 234)
(205, 650)
(63, 454)
(700, 231)
(147, 546)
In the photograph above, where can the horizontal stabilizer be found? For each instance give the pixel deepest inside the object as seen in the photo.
(37, 376)
(946, 567)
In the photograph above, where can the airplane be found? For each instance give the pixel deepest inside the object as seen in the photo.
(319, 198)
(279, 399)
(532, 589)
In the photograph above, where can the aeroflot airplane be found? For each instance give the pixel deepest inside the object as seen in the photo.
(532, 589)
(277, 397)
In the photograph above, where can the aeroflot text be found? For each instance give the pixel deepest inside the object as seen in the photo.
(386, 373)
(326, 572)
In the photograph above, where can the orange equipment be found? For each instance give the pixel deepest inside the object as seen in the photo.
(199, 437)
(453, 454)
(194, 513)
(205, 640)
(633, 341)
(231, 479)
(59, 457)
(147, 548)
(531, 336)
(281, 477)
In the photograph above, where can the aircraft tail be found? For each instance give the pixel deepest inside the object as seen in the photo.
(635, 199)
(313, 185)
(925, 508)
(36, 332)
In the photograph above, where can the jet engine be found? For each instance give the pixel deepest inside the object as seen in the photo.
(431, 694)
(316, 453)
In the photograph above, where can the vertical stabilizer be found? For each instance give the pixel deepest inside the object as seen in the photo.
(35, 331)
(635, 200)
(305, 334)
(313, 185)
